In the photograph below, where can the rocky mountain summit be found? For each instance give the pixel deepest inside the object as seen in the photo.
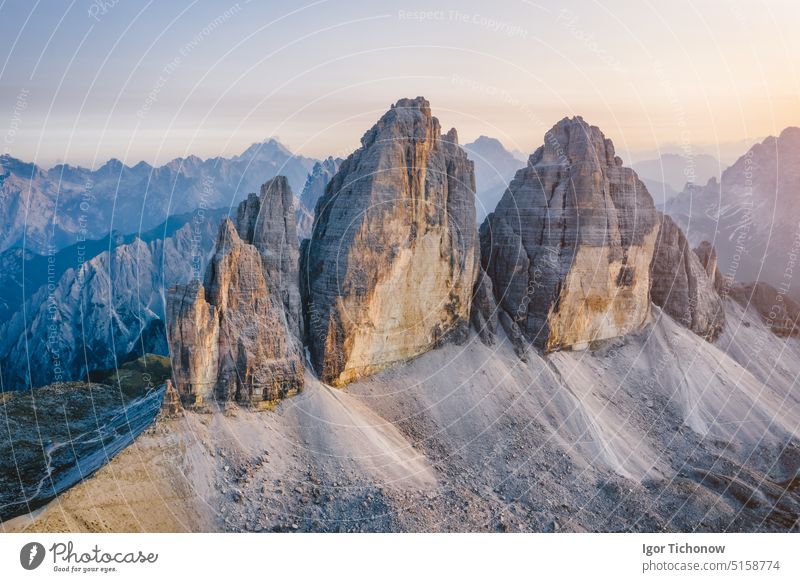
(237, 335)
(569, 246)
(707, 254)
(390, 267)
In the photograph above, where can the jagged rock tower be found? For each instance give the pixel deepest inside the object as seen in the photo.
(569, 247)
(390, 268)
(681, 283)
(238, 335)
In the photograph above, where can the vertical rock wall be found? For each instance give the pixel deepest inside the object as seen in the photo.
(390, 267)
(569, 246)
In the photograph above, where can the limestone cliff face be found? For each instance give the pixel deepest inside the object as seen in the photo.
(390, 268)
(484, 316)
(569, 246)
(237, 336)
(780, 313)
(102, 313)
(680, 284)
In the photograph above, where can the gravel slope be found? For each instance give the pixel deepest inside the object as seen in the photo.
(656, 431)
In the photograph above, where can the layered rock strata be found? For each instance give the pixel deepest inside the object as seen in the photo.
(237, 335)
(681, 285)
(569, 246)
(390, 268)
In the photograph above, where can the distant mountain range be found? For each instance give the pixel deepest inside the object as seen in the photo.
(50, 209)
(494, 168)
(751, 214)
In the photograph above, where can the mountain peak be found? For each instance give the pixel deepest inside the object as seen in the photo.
(267, 147)
(790, 133)
(567, 303)
(13, 165)
(417, 103)
(112, 165)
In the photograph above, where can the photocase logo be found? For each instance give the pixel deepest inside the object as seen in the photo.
(31, 555)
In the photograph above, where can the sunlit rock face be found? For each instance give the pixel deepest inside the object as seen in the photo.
(236, 337)
(390, 268)
(681, 285)
(569, 246)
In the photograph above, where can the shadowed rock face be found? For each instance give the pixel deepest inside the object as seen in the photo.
(680, 284)
(237, 336)
(390, 267)
(751, 212)
(317, 181)
(102, 312)
(569, 246)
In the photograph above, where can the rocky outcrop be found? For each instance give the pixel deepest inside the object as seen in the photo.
(266, 222)
(194, 343)
(171, 403)
(680, 283)
(779, 312)
(237, 336)
(569, 246)
(390, 268)
(707, 254)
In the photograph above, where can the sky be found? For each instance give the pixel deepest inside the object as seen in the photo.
(85, 81)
